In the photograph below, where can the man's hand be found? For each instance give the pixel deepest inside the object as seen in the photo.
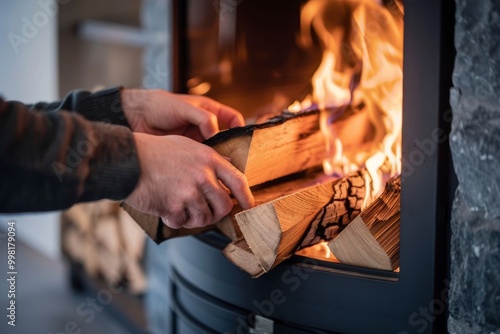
(181, 182)
(158, 112)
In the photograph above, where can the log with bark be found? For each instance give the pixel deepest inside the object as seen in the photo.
(372, 239)
(258, 150)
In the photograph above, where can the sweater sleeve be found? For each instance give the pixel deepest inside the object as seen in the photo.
(101, 106)
(54, 159)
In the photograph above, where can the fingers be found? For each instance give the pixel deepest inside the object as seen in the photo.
(186, 185)
(201, 212)
(188, 210)
(193, 216)
(225, 114)
(219, 200)
(201, 208)
(204, 120)
(212, 202)
(218, 204)
(236, 182)
(174, 221)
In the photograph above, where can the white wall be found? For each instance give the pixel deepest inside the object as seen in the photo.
(28, 72)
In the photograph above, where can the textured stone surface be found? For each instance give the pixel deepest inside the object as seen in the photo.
(475, 288)
(475, 142)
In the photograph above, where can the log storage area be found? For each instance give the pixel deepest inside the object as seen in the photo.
(105, 250)
(296, 204)
(103, 239)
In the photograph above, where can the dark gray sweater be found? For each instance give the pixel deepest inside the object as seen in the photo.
(53, 155)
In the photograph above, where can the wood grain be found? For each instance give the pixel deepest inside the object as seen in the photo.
(372, 239)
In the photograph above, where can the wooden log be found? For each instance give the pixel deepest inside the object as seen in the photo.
(372, 239)
(351, 195)
(73, 244)
(106, 241)
(228, 225)
(109, 249)
(276, 229)
(133, 244)
(78, 239)
(258, 150)
(133, 239)
(239, 253)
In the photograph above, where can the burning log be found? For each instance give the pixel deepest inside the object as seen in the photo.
(275, 229)
(372, 239)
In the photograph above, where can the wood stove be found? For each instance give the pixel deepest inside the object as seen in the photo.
(205, 293)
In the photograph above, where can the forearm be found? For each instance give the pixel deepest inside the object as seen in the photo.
(49, 161)
(102, 106)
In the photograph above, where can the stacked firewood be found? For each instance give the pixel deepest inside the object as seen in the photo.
(107, 242)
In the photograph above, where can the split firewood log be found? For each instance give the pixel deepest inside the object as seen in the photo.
(133, 247)
(239, 253)
(372, 239)
(73, 244)
(109, 249)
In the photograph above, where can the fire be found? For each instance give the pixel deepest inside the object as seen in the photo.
(362, 64)
(320, 251)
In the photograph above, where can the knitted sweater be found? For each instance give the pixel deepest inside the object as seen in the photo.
(53, 155)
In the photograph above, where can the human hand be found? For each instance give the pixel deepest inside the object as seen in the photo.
(158, 112)
(181, 182)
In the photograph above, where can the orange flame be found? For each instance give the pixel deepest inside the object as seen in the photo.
(362, 63)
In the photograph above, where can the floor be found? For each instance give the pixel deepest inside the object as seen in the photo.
(45, 303)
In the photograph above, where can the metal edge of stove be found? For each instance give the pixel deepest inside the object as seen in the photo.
(191, 303)
(220, 241)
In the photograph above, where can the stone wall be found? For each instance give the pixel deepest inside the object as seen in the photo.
(475, 142)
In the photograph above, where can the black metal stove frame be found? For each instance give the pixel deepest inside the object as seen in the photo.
(210, 295)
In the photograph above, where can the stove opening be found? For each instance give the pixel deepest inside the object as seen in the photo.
(343, 58)
(260, 57)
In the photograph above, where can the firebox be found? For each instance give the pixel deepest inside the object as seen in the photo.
(250, 55)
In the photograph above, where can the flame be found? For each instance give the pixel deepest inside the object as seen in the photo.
(362, 64)
(319, 251)
(362, 61)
